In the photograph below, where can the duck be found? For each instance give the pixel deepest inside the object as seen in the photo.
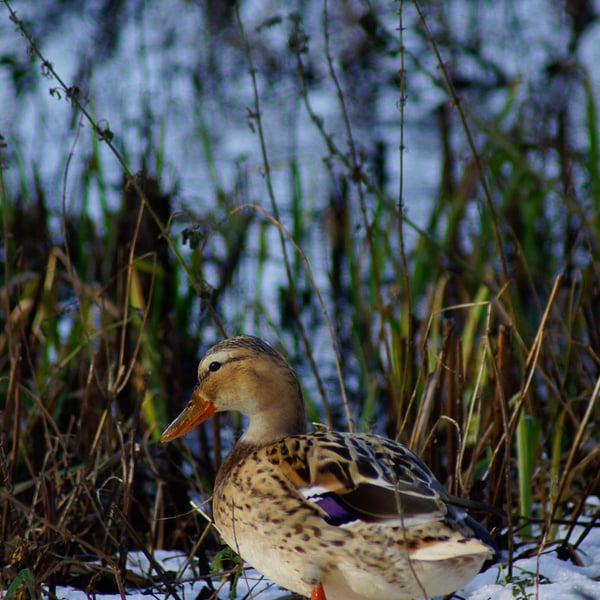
(329, 515)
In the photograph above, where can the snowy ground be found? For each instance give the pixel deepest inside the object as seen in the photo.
(540, 578)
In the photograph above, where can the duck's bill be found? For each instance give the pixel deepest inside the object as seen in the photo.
(196, 412)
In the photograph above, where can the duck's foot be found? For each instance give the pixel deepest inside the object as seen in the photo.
(318, 593)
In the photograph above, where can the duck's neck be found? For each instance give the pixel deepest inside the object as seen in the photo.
(271, 426)
(277, 409)
(265, 428)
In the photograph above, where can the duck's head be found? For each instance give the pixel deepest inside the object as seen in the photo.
(245, 374)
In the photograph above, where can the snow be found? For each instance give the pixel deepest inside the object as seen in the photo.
(557, 580)
(543, 577)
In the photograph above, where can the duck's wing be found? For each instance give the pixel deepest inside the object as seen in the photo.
(351, 477)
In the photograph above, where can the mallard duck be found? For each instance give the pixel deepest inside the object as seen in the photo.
(335, 516)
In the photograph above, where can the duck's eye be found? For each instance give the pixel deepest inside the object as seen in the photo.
(214, 366)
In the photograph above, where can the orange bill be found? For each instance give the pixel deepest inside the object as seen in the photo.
(196, 412)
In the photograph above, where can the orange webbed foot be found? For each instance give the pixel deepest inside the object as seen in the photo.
(318, 593)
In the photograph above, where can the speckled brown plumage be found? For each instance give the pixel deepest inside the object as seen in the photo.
(359, 514)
